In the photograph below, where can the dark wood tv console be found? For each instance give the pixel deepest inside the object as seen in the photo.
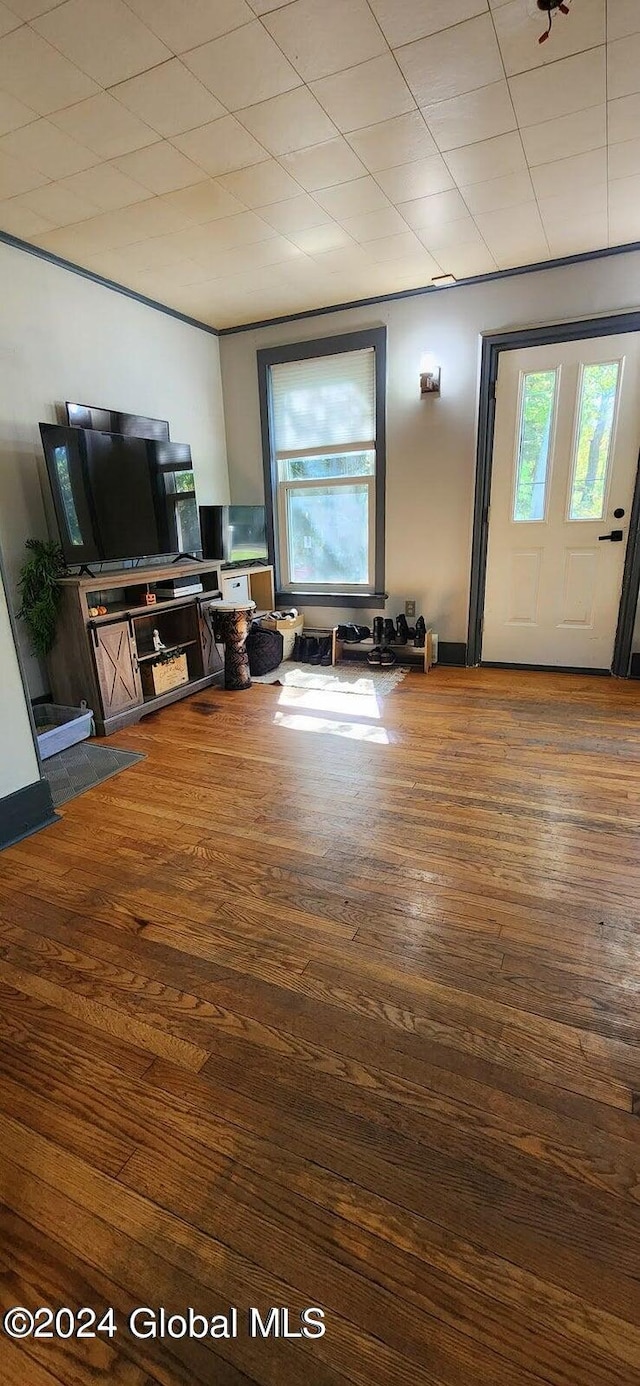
(98, 658)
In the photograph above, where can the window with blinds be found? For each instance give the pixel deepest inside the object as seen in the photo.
(324, 467)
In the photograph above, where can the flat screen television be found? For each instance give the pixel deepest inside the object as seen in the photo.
(234, 533)
(118, 497)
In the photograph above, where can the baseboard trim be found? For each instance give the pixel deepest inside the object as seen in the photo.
(546, 668)
(452, 652)
(26, 811)
(634, 672)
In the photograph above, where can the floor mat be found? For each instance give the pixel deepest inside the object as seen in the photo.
(357, 677)
(82, 767)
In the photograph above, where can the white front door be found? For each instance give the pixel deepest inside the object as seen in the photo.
(565, 454)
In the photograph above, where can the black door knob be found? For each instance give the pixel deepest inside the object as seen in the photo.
(616, 536)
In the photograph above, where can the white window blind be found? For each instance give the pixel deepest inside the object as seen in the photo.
(324, 404)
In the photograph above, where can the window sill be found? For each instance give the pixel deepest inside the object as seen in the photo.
(357, 600)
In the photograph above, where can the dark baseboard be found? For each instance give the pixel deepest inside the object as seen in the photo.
(634, 672)
(25, 812)
(546, 668)
(452, 652)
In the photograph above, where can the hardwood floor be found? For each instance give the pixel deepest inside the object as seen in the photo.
(331, 1004)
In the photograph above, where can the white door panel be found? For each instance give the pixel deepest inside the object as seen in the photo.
(565, 454)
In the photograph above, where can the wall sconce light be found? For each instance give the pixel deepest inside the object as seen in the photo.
(429, 376)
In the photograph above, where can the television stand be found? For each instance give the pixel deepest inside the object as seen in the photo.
(187, 558)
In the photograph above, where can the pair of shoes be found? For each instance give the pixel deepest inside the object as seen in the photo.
(384, 631)
(312, 649)
(381, 655)
(421, 633)
(353, 634)
(404, 630)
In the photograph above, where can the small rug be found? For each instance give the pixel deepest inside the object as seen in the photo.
(82, 767)
(344, 678)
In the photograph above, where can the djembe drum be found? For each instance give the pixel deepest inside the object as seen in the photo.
(233, 624)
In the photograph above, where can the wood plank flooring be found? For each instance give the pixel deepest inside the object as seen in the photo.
(335, 1004)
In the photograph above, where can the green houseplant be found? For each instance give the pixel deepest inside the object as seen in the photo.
(40, 592)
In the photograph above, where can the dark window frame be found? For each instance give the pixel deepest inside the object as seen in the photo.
(338, 345)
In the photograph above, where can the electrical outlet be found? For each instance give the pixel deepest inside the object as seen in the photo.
(409, 608)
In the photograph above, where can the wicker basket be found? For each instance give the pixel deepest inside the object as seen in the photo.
(163, 676)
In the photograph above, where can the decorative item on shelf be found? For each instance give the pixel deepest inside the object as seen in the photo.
(98, 611)
(160, 675)
(158, 643)
(429, 376)
(149, 597)
(41, 594)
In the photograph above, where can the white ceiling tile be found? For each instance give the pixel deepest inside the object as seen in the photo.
(261, 184)
(439, 240)
(477, 115)
(433, 211)
(487, 159)
(624, 159)
(324, 165)
(260, 254)
(512, 227)
(33, 72)
(396, 247)
(103, 38)
(567, 208)
(221, 146)
(105, 126)
(576, 237)
(624, 210)
(19, 220)
(624, 118)
(292, 121)
(316, 239)
(371, 226)
(266, 6)
(490, 196)
(8, 21)
(402, 21)
(350, 199)
(393, 142)
(169, 99)
(568, 135)
(247, 228)
(204, 202)
(623, 18)
(519, 26)
(30, 9)
(296, 214)
(325, 36)
(106, 187)
(467, 261)
(452, 62)
(575, 175)
(348, 259)
(243, 67)
(623, 67)
(45, 148)
(364, 95)
(13, 113)
(184, 24)
(418, 179)
(573, 84)
(161, 167)
(58, 205)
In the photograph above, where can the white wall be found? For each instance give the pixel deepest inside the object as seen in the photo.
(431, 442)
(18, 760)
(63, 337)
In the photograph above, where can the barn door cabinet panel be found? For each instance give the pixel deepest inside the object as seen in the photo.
(117, 665)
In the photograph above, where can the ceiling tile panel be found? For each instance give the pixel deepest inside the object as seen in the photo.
(106, 187)
(13, 113)
(364, 95)
(161, 167)
(623, 67)
(184, 24)
(296, 214)
(220, 147)
(261, 184)
(624, 159)
(324, 165)
(30, 9)
(519, 26)
(103, 38)
(623, 18)
(105, 126)
(570, 176)
(33, 72)
(402, 21)
(321, 37)
(350, 199)
(397, 247)
(487, 159)
(316, 239)
(433, 211)
(204, 202)
(418, 179)
(573, 84)
(370, 226)
(58, 205)
(8, 20)
(16, 177)
(393, 142)
(514, 235)
(242, 68)
(467, 261)
(624, 210)
(169, 99)
(19, 220)
(45, 148)
(478, 115)
(509, 191)
(624, 118)
(292, 121)
(452, 62)
(568, 135)
(444, 238)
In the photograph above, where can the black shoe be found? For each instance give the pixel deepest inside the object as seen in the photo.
(325, 649)
(387, 657)
(313, 650)
(352, 634)
(402, 630)
(296, 652)
(421, 633)
(378, 630)
(389, 632)
(375, 655)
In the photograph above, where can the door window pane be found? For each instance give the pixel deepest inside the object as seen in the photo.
(328, 534)
(534, 444)
(598, 391)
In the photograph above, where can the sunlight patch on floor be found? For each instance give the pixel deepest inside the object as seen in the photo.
(354, 731)
(360, 704)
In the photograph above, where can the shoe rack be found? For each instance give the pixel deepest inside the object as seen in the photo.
(419, 657)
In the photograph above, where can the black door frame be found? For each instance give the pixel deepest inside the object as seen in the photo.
(492, 345)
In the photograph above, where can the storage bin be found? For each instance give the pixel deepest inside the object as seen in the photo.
(289, 628)
(163, 676)
(59, 727)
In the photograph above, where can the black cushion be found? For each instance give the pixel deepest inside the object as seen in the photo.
(265, 649)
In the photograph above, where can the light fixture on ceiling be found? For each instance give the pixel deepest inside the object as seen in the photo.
(429, 376)
(442, 281)
(549, 8)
